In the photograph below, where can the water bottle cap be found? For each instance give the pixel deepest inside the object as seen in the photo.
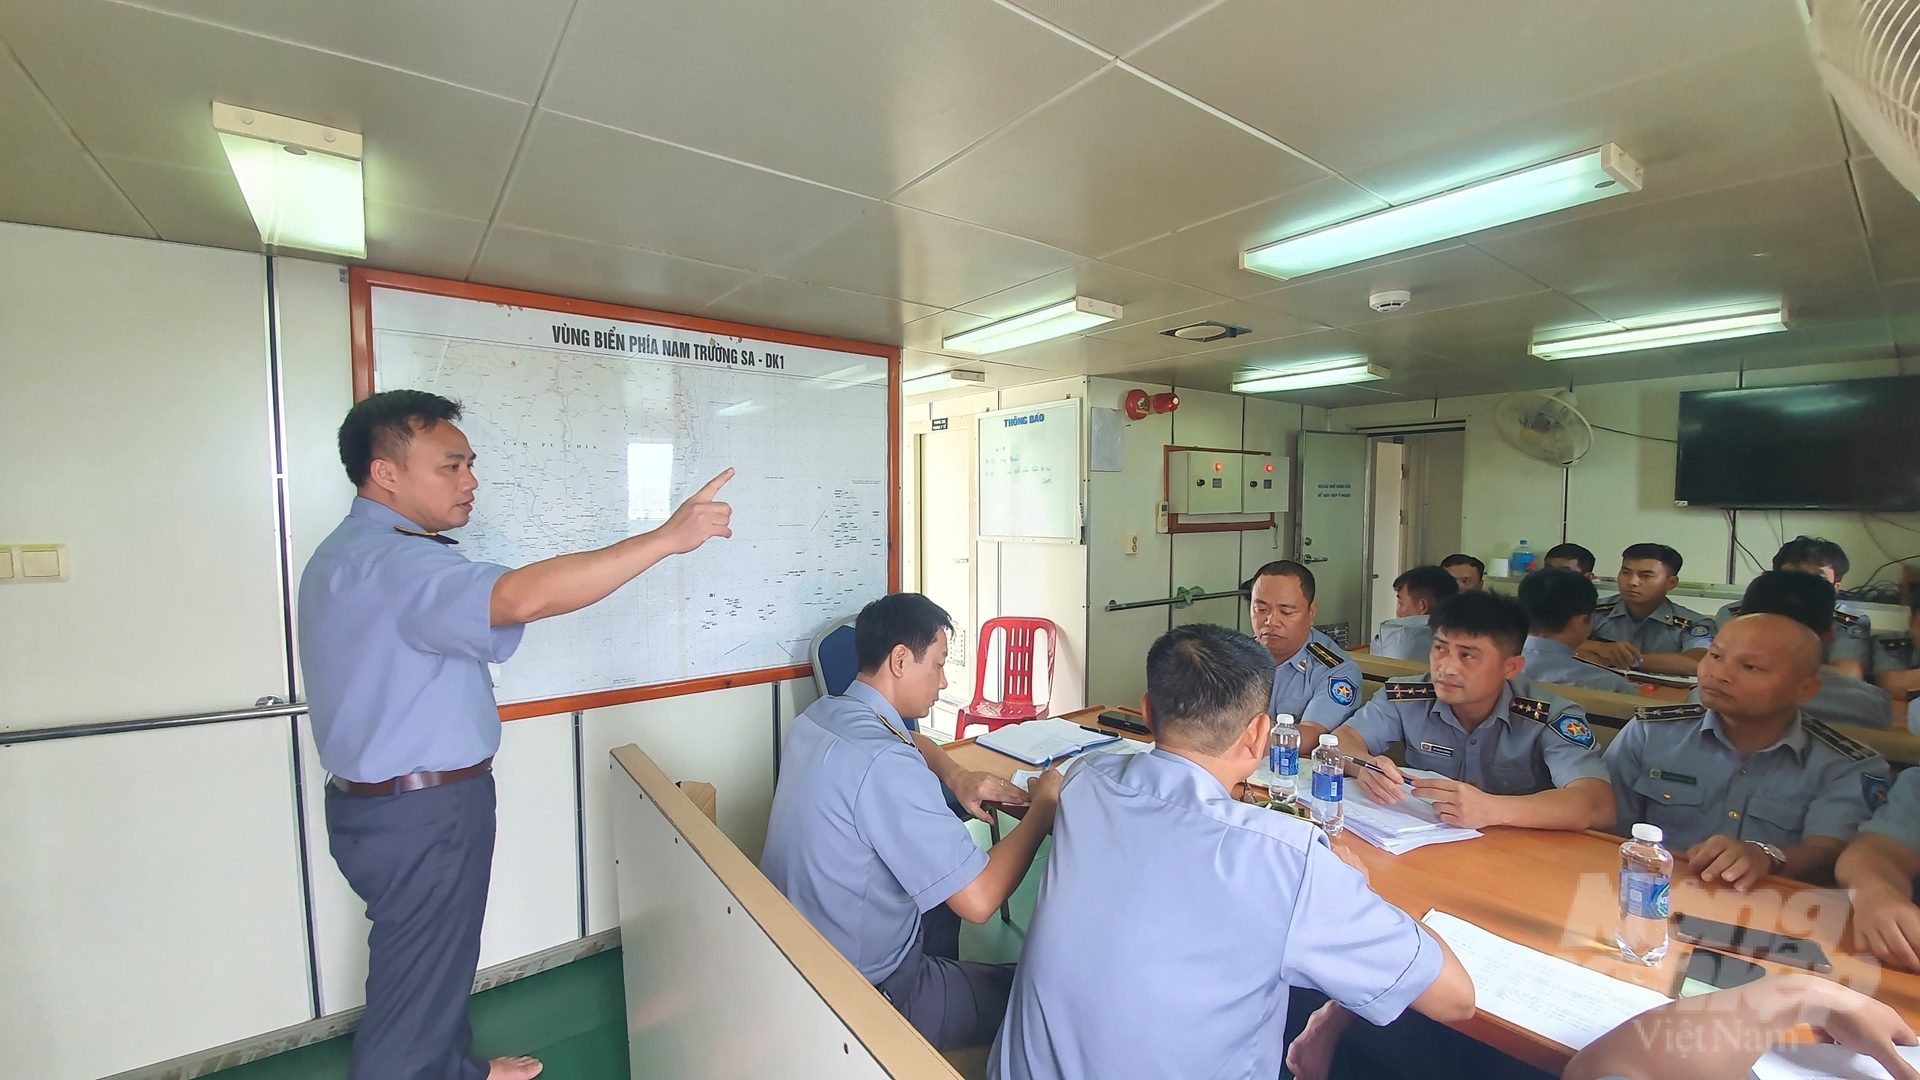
(1284, 718)
(1650, 833)
(1329, 739)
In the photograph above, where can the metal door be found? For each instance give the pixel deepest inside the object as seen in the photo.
(1333, 529)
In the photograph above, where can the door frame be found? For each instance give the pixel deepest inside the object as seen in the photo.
(1395, 433)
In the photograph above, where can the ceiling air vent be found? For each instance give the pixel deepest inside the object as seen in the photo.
(1206, 331)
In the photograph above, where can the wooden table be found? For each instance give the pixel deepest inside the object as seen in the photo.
(1556, 892)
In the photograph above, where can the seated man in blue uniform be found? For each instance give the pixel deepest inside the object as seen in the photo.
(1808, 600)
(1878, 871)
(1745, 784)
(1314, 681)
(1560, 605)
(1569, 557)
(1638, 627)
(862, 843)
(1849, 651)
(1895, 669)
(1416, 593)
(1172, 920)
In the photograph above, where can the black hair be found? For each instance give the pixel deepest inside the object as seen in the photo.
(1662, 552)
(1484, 614)
(1813, 551)
(1204, 683)
(381, 426)
(906, 618)
(1283, 568)
(1460, 559)
(1555, 597)
(1431, 583)
(1581, 556)
(1805, 598)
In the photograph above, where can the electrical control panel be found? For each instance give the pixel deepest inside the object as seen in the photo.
(1267, 484)
(1212, 482)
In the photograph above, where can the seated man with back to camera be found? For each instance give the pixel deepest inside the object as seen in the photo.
(1314, 680)
(1560, 606)
(1569, 557)
(862, 843)
(1744, 783)
(1849, 651)
(1416, 593)
(1173, 921)
(1468, 572)
(1808, 600)
(1638, 627)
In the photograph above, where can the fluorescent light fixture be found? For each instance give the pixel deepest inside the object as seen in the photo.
(1600, 173)
(1052, 321)
(1352, 369)
(301, 181)
(945, 380)
(1720, 328)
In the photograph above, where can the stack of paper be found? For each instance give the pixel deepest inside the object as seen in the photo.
(1400, 828)
(1122, 747)
(1805, 1061)
(1546, 995)
(1043, 742)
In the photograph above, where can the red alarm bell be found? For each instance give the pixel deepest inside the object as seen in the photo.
(1137, 404)
(1165, 403)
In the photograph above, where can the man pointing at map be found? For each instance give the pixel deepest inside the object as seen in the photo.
(396, 631)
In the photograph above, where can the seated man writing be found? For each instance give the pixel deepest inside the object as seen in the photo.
(1314, 680)
(1848, 650)
(1416, 593)
(1878, 870)
(1506, 754)
(1172, 920)
(1744, 783)
(1638, 627)
(862, 843)
(1559, 607)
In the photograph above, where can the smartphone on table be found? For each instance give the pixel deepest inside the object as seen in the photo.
(1709, 971)
(1746, 941)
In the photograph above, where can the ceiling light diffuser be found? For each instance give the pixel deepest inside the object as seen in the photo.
(1720, 328)
(1052, 321)
(1353, 369)
(301, 181)
(944, 380)
(1600, 173)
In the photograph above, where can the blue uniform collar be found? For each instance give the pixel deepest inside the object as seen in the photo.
(1499, 712)
(1795, 738)
(1296, 659)
(865, 694)
(1545, 646)
(364, 507)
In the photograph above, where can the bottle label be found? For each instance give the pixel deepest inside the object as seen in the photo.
(1283, 760)
(1328, 786)
(1642, 895)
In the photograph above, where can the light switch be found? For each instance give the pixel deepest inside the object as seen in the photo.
(41, 562)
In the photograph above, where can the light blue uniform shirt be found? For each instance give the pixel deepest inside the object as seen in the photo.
(1553, 662)
(1320, 683)
(1852, 634)
(1170, 923)
(1533, 741)
(394, 646)
(1403, 639)
(1668, 628)
(861, 841)
(1900, 818)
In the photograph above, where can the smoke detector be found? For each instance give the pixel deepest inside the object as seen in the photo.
(1390, 300)
(1206, 331)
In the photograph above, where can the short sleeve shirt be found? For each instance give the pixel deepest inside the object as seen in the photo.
(1673, 766)
(1899, 819)
(395, 638)
(1409, 638)
(1531, 742)
(1892, 651)
(1852, 634)
(1669, 628)
(1320, 683)
(860, 840)
(1171, 922)
(1554, 662)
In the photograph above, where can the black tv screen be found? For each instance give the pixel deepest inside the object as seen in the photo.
(1820, 446)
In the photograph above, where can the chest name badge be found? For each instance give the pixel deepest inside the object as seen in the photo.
(1672, 777)
(1436, 748)
(1341, 691)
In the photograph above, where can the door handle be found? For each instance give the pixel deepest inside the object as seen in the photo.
(1316, 558)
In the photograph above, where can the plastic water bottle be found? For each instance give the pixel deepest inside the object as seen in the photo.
(1646, 874)
(1283, 758)
(1522, 561)
(1326, 799)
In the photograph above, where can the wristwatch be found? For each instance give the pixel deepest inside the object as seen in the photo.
(1779, 857)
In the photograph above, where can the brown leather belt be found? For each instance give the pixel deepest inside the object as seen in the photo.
(413, 781)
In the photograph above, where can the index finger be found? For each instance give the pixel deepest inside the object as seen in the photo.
(707, 493)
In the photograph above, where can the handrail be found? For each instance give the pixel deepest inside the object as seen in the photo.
(1181, 598)
(119, 727)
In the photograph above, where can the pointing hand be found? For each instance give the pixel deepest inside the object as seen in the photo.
(699, 519)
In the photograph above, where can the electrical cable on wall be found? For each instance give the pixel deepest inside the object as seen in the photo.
(1633, 434)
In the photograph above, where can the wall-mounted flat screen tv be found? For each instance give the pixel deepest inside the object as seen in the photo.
(1820, 446)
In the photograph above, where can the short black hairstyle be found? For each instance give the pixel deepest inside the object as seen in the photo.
(1283, 568)
(1431, 583)
(1484, 614)
(1662, 552)
(1461, 559)
(1813, 551)
(1204, 683)
(1581, 557)
(381, 426)
(1805, 598)
(906, 618)
(1555, 597)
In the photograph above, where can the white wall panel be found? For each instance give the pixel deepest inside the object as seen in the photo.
(1119, 505)
(149, 897)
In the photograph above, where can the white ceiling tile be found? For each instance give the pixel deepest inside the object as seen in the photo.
(1490, 333)
(187, 205)
(595, 183)
(1078, 354)
(1450, 277)
(562, 266)
(500, 46)
(1261, 324)
(1115, 162)
(816, 309)
(421, 242)
(925, 258)
(861, 94)
(46, 177)
(1142, 297)
(1118, 26)
(1892, 215)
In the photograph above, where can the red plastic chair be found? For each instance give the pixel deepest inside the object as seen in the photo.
(1014, 702)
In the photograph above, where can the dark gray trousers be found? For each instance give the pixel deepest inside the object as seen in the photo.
(421, 861)
(951, 1003)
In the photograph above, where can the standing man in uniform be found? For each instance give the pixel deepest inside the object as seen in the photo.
(1849, 651)
(1470, 573)
(1416, 593)
(1560, 604)
(1314, 681)
(396, 631)
(1745, 784)
(1638, 627)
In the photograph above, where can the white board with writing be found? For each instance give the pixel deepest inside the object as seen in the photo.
(590, 430)
(1029, 481)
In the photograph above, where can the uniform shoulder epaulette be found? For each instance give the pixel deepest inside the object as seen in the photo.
(1532, 708)
(1733, 609)
(1409, 691)
(1607, 605)
(1894, 641)
(1323, 654)
(1675, 619)
(1847, 618)
(1848, 748)
(1685, 711)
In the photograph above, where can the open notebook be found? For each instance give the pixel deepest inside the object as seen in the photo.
(1043, 742)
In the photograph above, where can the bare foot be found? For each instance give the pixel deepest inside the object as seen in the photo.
(513, 1068)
